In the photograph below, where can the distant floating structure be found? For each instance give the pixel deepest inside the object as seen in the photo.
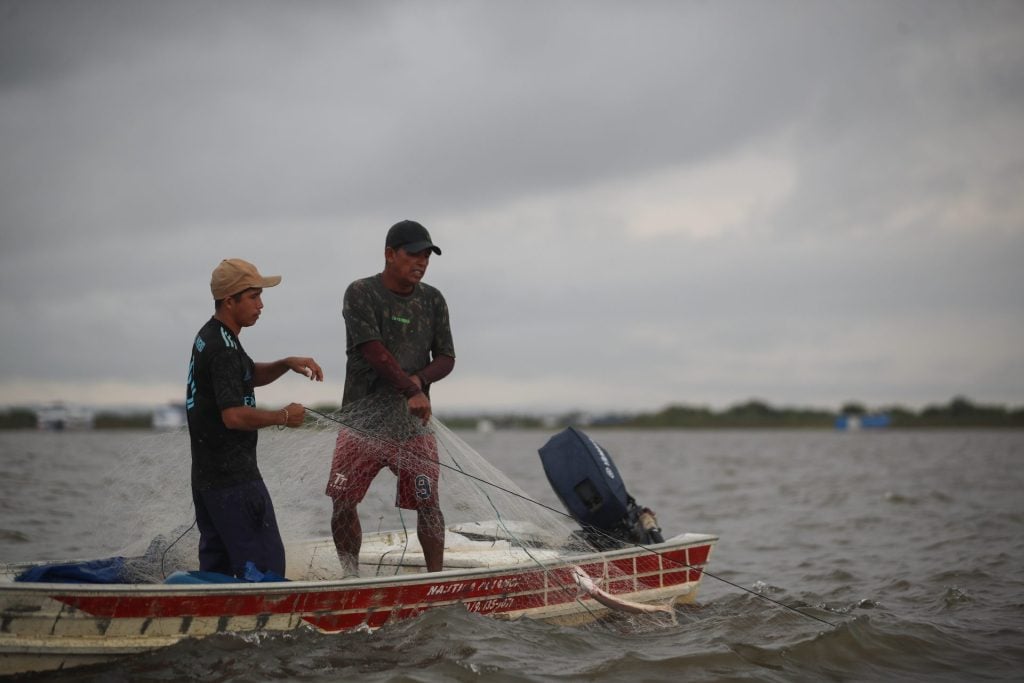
(60, 416)
(854, 422)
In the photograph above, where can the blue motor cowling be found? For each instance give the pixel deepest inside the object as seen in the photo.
(589, 485)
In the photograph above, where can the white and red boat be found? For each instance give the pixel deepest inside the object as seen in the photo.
(45, 626)
(616, 561)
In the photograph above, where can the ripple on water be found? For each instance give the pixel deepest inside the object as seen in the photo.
(954, 596)
(900, 498)
(14, 536)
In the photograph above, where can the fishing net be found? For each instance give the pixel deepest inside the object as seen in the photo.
(488, 520)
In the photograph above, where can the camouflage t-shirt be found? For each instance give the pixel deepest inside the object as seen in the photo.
(414, 328)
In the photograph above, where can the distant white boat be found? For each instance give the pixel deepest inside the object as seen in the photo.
(170, 416)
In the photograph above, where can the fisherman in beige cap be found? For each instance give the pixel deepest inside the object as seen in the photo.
(234, 512)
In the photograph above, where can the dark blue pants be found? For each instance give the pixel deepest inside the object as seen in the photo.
(237, 524)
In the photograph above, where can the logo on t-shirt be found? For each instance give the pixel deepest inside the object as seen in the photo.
(398, 319)
(229, 341)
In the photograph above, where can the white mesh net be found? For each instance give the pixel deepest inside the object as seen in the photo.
(488, 521)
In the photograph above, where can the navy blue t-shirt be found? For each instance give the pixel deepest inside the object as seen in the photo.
(220, 375)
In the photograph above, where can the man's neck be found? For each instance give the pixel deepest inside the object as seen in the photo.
(393, 285)
(228, 322)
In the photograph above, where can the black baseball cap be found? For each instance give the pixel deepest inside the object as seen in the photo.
(411, 236)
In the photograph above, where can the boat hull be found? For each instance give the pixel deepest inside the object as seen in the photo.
(55, 626)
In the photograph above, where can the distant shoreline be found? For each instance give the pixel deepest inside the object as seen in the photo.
(959, 413)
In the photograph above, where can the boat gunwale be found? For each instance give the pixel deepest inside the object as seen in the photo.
(678, 542)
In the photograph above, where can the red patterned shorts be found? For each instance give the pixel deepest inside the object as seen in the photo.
(358, 459)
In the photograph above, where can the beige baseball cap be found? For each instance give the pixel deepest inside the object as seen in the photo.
(234, 275)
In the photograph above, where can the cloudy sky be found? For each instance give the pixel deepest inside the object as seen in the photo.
(639, 203)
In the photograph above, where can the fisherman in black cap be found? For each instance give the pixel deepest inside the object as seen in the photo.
(398, 342)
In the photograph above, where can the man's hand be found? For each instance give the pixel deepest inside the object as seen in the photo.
(296, 414)
(305, 366)
(419, 405)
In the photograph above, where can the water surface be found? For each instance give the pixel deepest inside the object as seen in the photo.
(910, 543)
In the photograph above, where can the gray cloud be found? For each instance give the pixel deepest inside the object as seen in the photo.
(638, 203)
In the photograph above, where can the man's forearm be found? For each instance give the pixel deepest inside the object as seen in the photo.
(385, 365)
(266, 373)
(438, 369)
(247, 418)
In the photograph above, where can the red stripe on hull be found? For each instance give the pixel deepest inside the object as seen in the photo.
(339, 609)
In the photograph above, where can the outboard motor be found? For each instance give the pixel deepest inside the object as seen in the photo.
(587, 482)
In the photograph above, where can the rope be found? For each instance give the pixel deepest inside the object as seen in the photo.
(163, 555)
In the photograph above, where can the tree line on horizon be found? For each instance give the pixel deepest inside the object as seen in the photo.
(960, 412)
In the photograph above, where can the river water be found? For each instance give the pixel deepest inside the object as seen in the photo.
(911, 544)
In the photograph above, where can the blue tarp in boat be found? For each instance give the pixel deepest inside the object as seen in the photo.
(252, 575)
(114, 570)
(110, 570)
